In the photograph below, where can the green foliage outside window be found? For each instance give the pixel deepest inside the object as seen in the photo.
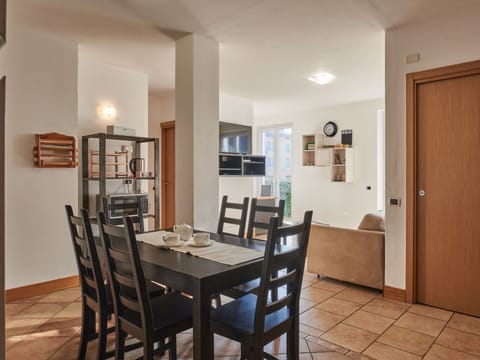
(286, 193)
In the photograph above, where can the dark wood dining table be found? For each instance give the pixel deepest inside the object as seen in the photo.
(200, 278)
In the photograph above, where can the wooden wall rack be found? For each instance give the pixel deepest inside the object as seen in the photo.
(54, 150)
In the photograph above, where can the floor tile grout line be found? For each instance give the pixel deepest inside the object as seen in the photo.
(361, 352)
(419, 332)
(465, 331)
(451, 348)
(395, 319)
(381, 334)
(396, 347)
(431, 317)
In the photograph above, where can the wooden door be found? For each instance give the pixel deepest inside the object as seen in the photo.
(448, 196)
(168, 174)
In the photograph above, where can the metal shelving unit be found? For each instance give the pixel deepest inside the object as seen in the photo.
(102, 168)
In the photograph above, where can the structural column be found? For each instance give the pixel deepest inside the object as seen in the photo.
(196, 131)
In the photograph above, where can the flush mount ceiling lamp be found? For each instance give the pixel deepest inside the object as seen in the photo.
(322, 78)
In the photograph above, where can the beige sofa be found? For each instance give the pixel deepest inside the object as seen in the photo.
(355, 256)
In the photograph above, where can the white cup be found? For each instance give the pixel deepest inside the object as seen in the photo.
(171, 239)
(201, 238)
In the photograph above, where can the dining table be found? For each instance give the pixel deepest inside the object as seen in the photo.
(200, 278)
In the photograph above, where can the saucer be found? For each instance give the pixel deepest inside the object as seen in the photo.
(191, 243)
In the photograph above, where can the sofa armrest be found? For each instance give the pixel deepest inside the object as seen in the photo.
(356, 256)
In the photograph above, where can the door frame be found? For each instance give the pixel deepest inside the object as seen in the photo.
(164, 126)
(413, 80)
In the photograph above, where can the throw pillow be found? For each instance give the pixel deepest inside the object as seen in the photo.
(373, 222)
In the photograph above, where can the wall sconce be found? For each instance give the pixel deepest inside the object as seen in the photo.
(106, 112)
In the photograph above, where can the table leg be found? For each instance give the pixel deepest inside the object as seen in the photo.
(202, 338)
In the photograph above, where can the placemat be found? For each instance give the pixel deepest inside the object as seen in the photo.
(219, 252)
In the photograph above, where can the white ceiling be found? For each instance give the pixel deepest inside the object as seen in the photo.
(268, 48)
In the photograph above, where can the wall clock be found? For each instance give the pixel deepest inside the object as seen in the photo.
(330, 129)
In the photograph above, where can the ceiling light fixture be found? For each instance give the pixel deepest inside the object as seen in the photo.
(322, 78)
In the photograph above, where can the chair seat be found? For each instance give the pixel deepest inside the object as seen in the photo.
(240, 314)
(167, 310)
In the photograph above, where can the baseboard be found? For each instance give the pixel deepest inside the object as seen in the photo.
(43, 288)
(392, 293)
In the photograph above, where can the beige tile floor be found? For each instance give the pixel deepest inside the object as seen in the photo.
(338, 321)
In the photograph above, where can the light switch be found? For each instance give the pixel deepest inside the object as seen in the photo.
(413, 58)
(395, 201)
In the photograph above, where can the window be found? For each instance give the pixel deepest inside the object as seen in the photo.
(276, 143)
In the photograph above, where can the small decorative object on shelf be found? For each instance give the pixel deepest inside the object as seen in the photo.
(310, 146)
(54, 150)
(347, 138)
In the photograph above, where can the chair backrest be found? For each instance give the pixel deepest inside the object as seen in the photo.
(255, 222)
(114, 212)
(88, 262)
(126, 276)
(283, 268)
(224, 219)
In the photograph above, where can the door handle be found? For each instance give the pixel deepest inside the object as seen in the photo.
(421, 193)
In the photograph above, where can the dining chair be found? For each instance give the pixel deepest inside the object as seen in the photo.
(96, 294)
(260, 216)
(240, 222)
(148, 320)
(224, 219)
(252, 319)
(114, 213)
(255, 222)
(95, 298)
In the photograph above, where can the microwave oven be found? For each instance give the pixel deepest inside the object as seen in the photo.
(124, 199)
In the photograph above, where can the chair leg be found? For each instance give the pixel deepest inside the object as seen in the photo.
(119, 342)
(88, 328)
(246, 351)
(293, 347)
(257, 353)
(102, 336)
(172, 354)
(148, 351)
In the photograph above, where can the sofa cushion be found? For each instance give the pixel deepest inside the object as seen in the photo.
(373, 222)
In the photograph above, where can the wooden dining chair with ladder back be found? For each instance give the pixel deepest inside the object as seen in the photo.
(257, 222)
(96, 295)
(254, 320)
(148, 320)
(225, 218)
(260, 215)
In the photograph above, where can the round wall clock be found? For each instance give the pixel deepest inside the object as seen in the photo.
(330, 129)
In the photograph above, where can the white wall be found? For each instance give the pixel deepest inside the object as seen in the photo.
(338, 204)
(127, 92)
(238, 111)
(41, 97)
(443, 41)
